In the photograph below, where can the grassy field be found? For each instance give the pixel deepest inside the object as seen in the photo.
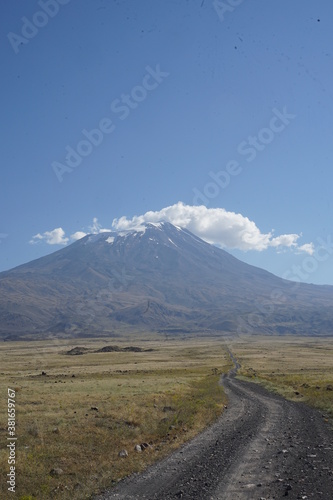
(76, 413)
(298, 368)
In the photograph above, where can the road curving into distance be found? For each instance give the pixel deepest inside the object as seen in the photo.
(262, 447)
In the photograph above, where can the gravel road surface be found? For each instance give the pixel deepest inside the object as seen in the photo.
(262, 447)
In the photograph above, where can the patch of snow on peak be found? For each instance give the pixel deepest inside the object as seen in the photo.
(138, 230)
(93, 237)
(156, 224)
(110, 239)
(172, 242)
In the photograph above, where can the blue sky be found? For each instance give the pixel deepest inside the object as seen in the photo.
(214, 116)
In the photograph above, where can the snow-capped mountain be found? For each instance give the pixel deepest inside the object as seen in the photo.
(158, 277)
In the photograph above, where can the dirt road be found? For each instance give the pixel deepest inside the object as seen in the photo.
(262, 447)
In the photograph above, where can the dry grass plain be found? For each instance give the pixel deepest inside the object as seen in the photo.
(84, 409)
(162, 396)
(298, 368)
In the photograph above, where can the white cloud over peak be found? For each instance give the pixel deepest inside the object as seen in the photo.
(57, 236)
(308, 248)
(285, 240)
(215, 225)
(78, 235)
(97, 228)
(54, 237)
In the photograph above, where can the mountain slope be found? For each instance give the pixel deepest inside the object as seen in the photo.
(159, 278)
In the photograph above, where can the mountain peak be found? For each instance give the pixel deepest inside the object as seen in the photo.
(155, 276)
(159, 225)
(156, 231)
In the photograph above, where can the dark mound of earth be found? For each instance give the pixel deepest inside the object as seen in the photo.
(76, 351)
(115, 348)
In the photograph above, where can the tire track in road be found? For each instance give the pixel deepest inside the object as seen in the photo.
(251, 473)
(261, 447)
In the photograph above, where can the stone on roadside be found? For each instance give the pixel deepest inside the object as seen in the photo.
(56, 472)
(123, 454)
(145, 445)
(168, 408)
